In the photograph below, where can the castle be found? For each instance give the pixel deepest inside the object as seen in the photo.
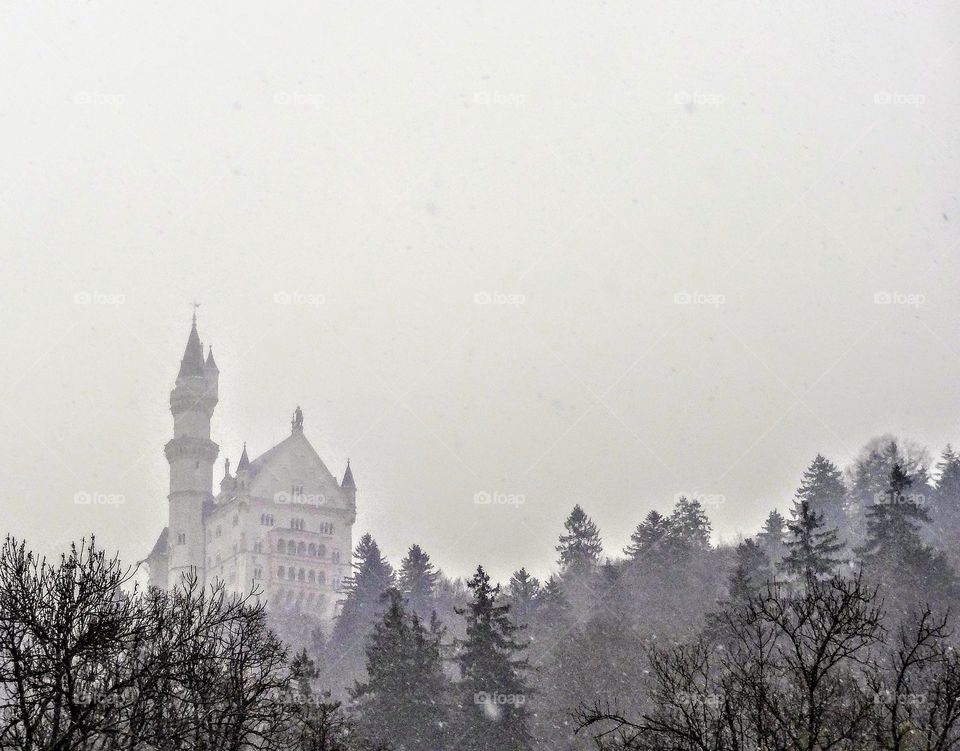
(281, 522)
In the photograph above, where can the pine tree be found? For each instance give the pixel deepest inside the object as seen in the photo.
(947, 495)
(648, 538)
(894, 552)
(750, 571)
(580, 547)
(363, 603)
(771, 538)
(418, 581)
(522, 593)
(493, 690)
(689, 526)
(893, 523)
(553, 607)
(823, 489)
(403, 702)
(811, 548)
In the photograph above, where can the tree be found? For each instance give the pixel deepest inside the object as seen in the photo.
(823, 490)
(689, 526)
(493, 690)
(945, 512)
(811, 548)
(648, 538)
(418, 581)
(752, 567)
(580, 547)
(772, 538)
(522, 594)
(362, 605)
(894, 552)
(404, 700)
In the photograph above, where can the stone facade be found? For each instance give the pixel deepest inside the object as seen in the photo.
(281, 523)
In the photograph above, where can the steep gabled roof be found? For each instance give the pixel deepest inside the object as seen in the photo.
(192, 362)
(292, 461)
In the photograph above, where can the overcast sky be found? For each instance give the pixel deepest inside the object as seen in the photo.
(602, 253)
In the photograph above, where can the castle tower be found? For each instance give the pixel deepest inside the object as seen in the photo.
(191, 455)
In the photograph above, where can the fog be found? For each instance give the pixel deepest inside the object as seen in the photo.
(595, 253)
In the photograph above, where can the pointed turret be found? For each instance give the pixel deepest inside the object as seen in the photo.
(211, 364)
(192, 362)
(244, 463)
(348, 483)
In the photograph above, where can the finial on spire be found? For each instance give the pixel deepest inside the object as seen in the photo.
(348, 482)
(244, 462)
(296, 422)
(195, 306)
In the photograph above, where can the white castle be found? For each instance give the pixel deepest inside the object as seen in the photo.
(281, 522)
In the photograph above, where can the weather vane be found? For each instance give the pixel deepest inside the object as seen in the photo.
(195, 306)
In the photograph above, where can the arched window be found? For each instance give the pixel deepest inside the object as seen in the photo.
(302, 548)
(280, 572)
(321, 551)
(312, 577)
(281, 546)
(300, 575)
(291, 574)
(312, 550)
(291, 548)
(321, 578)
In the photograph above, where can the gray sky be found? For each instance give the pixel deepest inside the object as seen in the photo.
(575, 252)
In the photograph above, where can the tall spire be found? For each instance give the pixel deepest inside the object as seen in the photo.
(244, 462)
(192, 362)
(348, 482)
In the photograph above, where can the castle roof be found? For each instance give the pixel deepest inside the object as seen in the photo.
(192, 362)
(211, 363)
(348, 482)
(160, 546)
(244, 462)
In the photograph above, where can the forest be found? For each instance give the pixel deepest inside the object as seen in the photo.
(830, 627)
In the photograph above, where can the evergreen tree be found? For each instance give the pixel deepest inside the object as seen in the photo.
(553, 607)
(648, 538)
(522, 593)
(823, 489)
(771, 538)
(812, 547)
(403, 702)
(947, 496)
(689, 526)
(418, 581)
(493, 689)
(750, 571)
(363, 602)
(580, 547)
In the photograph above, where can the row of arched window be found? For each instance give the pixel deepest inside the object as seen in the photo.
(311, 576)
(291, 547)
(298, 598)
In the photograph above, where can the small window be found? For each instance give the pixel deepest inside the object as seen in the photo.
(181, 538)
(219, 531)
(312, 577)
(236, 520)
(281, 545)
(291, 574)
(321, 578)
(280, 572)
